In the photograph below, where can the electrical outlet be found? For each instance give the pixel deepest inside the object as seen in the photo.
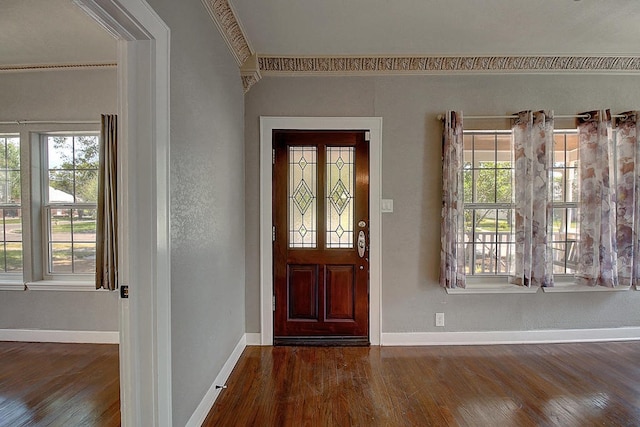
(439, 319)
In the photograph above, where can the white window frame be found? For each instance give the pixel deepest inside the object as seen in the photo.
(47, 207)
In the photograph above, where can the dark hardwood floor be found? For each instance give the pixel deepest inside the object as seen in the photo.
(586, 384)
(46, 384)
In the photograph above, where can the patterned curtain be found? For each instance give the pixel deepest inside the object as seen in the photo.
(627, 198)
(452, 254)
(107, 218)
(533, 146)
(597, 261)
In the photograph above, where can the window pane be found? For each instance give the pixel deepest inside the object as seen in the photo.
(468, 185)
(468, 148)
(60, 225)
(60, 152)
(340, 188)
(87, 152)
(84, 225)
(11, 240)
(84, 257)
(559, 149)
(504, 179)
(302, 197)
(559, 185)
(485, 179)
(61, 186)
(10, 209)
(61, 258)
(86, 190)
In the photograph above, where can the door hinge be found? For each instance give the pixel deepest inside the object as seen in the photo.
(273, 233)
(367, 136)
(273, 303)
(273, 156)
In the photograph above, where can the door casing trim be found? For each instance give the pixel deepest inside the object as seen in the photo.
(374, 126)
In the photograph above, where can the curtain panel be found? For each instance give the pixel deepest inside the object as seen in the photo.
(452, 254)
(107, 217)
(531, 264)
(627, 198)
(597, 261)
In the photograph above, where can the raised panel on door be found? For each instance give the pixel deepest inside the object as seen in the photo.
(302, 288)
(340, 292)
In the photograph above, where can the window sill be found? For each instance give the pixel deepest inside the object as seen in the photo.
(572, 287)
(10, 285)
(60, 285)
(491, 288)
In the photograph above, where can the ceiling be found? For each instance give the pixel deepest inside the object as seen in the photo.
(439, 27)
(58, 32)
(39, 32)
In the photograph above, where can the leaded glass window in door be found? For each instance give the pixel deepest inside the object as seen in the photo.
(303, 221)
(339, 193)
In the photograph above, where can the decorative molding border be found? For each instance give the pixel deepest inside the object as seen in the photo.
(229, 26)
(44, 335)
(201, 412)
(364, 65)
(55, 67)
(549, 336)
(225, 19)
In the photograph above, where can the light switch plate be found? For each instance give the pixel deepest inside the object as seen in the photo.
(386, 206)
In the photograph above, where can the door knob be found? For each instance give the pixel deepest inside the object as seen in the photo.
(362, 243)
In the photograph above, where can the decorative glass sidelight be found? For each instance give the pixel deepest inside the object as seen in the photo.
(340, 188)
(303, 175)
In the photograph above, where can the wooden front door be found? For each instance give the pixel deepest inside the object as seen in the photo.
(321, 237)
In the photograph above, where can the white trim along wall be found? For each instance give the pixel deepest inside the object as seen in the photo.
(49, 335)
(374, 126)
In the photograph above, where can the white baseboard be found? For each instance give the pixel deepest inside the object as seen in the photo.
(253, 338)
(510, 337)
(44, 335)
(201, 412)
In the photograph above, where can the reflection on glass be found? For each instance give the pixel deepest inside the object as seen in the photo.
(340, 188)
(302, 196)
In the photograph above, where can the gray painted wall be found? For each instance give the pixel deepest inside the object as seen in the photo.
(207, 203)
(58, 95)
(411, 176)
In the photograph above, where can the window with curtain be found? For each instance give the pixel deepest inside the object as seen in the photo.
(70, 202)
(536, 206)
(48, 209)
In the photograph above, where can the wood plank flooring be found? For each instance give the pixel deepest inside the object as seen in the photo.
(51, 384)
(586, 384)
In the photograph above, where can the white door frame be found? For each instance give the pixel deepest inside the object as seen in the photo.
(374, 126)
(143, 203)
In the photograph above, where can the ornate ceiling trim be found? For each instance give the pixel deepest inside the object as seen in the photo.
(53, 67)
(231, 30)
(366, 65)
(225, 19)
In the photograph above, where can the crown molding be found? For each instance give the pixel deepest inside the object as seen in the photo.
(403, 65)
(225, 19)
(229, 26)
(54, 67)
